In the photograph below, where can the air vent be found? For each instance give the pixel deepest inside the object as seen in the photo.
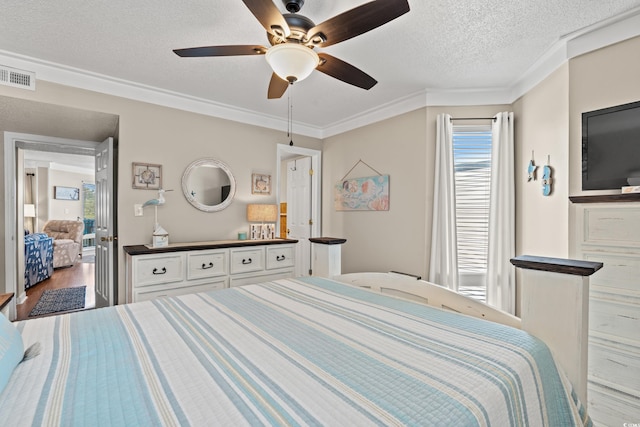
(17, 78)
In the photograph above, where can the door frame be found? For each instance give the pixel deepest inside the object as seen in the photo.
(282, 153)
(12, 141)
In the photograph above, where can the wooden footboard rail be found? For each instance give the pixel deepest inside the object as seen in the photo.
(555, 308)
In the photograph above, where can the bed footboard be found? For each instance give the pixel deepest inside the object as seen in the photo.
(409, 287)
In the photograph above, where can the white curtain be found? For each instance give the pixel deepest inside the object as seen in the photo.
(501, 282)
(443, 267)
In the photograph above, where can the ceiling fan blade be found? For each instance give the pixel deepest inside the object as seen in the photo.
(356, 21)
(337, 68)
(233, 50)
(269, 16)
(277, 87)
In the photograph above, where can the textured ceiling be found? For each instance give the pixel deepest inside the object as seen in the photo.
(439, 46)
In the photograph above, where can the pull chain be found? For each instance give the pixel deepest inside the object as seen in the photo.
(290, 115)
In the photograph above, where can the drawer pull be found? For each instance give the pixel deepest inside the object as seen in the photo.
(163, 271)
(280, 257)
(205, 267)
(246, 261)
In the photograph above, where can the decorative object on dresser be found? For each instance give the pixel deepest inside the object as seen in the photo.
(160, 237)
(147, 176)
(208, 185)
(67, 240)
(262, 214)
(184, 268)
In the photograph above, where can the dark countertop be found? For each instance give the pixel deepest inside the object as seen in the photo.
(194, 246)
(557, 265)
(327, 240)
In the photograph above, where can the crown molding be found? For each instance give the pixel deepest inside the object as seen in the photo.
(83, 79)
(605, 33)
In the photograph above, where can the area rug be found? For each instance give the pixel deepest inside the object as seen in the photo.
(58, 300)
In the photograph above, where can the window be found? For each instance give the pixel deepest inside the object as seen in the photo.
(472, 166)
(89, 213)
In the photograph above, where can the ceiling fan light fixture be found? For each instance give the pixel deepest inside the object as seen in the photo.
(291, 61)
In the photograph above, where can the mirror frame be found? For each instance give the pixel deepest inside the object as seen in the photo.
(212, 162)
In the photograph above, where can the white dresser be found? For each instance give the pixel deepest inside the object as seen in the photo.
(609, 233)
(185, 268)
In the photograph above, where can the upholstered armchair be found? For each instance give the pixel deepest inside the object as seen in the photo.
(67, 240)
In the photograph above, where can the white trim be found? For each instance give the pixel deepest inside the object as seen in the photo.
(613, 30)
(11, 140)
(316, 164)
(10, 284)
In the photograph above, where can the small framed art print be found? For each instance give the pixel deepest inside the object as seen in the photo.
(260, 184)
(147, 176)
(66, 193)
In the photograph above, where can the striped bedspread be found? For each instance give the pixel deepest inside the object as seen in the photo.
(291, 352)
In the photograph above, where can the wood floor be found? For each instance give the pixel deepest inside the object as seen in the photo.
(82, 273)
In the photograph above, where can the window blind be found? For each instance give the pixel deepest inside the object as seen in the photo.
(472, 165)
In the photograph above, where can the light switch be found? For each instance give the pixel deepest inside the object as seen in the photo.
(137, 209)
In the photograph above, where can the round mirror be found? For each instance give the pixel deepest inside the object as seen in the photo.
(208, 185)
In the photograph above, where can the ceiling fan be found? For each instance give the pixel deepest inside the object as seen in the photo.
(293, 37)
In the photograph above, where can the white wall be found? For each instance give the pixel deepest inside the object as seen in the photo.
(542, 127)
(173, 138)
(65, 209)
(404, 148)
(381, 240)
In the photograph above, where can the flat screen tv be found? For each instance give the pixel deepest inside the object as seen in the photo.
(611, 147)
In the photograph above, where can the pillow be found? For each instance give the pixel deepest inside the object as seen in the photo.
(11, 350)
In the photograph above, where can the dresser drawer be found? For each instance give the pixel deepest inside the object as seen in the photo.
(247, 260)
(156, 269)
(614, 319)
(608, 407)
(203, 264)
(179, 289)
(614, 364)
(280, 256)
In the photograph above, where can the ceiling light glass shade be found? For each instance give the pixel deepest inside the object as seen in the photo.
(292, 61)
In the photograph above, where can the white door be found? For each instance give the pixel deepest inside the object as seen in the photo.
(299, 219)
(104, 226)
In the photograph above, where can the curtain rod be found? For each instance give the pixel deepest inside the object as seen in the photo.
(471, 118)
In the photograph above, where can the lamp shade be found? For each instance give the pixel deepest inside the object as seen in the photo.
(291, 61)
(262, 213)
(29, 211)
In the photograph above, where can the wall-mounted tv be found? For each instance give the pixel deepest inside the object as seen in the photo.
(610, 147)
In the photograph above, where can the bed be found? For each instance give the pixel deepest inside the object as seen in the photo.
(307, 351)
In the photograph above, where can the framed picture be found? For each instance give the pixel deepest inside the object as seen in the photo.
(147, 176)
(370, 193)
(260, 184)
(66, 193)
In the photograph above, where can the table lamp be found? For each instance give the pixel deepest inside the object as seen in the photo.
(262, 213)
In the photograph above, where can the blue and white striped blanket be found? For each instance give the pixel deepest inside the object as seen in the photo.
(291, 352)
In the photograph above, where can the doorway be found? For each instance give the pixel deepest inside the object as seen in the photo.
(306, 204)
(27, 117)
(15, 147)
(45, 171)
